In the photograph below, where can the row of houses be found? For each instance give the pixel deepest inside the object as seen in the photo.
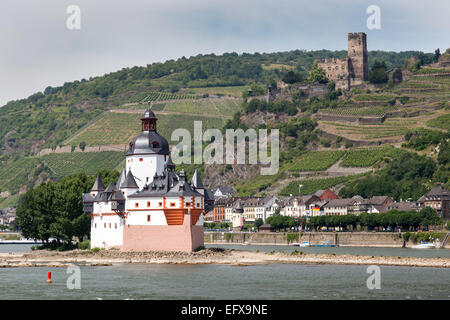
(7, 216)
(240, 210)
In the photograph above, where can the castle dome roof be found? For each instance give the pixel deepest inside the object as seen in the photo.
(148, 141)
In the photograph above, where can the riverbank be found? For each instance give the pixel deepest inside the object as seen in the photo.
(343, 239)
(44, 258)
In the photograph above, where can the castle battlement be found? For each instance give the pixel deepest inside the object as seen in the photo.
(354, 67)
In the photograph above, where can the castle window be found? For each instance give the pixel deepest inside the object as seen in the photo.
(148, 203)
(115, 225)
(160, 204)
(337, 67)
(172, 204)
(188, 204)
(148, 218)
(95, 225)
(110, 225)
(136, 205)
(104, 225)
(141, 159)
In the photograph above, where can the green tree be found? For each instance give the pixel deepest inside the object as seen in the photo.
(378, 73)
(292, 77)
(437, 54)
(317, 74)
(258, 223)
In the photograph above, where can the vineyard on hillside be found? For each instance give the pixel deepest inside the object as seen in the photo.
(14, 174)
(64, 164)
(121, 128)
(312, 185)
(368, 157)
(317, 160)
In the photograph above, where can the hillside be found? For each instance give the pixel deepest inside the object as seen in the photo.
(41, 135)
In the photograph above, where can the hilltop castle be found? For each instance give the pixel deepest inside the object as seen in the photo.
(353, 70)
(150, 207)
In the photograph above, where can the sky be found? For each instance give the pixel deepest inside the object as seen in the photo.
(37, 49)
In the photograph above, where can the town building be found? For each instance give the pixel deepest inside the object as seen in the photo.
(223, 192)
(151, 207)
(326, 194)
(439, 199)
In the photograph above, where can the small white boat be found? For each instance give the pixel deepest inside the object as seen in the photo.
(294, 244)
(304, 244)
(424, 245)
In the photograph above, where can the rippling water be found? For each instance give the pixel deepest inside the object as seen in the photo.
(362, 251)
(274, 281)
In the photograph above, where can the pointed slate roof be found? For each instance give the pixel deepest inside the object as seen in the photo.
(121, 179)
(110, 187)
(197, 181)
(129, 182)
(98, 184)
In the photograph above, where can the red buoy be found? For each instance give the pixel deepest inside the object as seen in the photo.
(49, 277)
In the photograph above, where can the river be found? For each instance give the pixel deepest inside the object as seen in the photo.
(272, 281)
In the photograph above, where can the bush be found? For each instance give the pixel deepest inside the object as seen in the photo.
(448, 225)
(85, 245)
(199, 248)
(95, 249)
(291, 237)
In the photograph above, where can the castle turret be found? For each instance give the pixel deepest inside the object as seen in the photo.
(148, 152)
(121, 179)
(197, 183)
(357, 52)
(129, 186)
(97, 187)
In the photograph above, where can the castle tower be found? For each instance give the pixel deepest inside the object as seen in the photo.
(357, 52)
(148, 152)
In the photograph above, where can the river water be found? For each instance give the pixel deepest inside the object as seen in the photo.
(273, 281)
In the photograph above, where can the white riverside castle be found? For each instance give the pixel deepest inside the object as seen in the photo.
(150, 207)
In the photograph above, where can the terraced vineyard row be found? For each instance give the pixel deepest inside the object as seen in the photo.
(317, 160)
(364, 111)
(312, 185)
(162, 96)
(442, 122)
(369, 131)
(64, 164)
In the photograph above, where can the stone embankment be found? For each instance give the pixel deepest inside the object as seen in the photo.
(206, 256)
(351, 239)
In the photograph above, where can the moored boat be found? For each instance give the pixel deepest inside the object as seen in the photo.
(424, 245)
